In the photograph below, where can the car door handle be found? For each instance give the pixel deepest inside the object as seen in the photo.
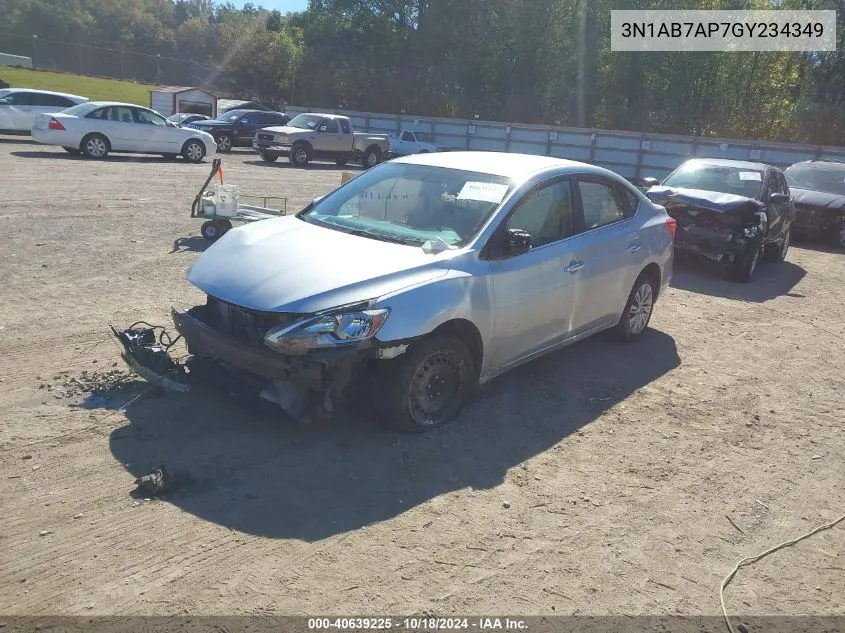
(574, 267)
(633, 248)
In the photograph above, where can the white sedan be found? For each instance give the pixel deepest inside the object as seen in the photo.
(20, 106)
(99, 127)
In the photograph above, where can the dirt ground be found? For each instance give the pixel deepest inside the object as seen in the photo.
(603, 479)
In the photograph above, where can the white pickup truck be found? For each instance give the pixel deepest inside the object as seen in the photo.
(314, 135)
(411, 142)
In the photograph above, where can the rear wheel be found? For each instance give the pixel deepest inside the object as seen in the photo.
(95, 146)
(638, 309)
(268, 157)
(371, 158)
(427, 386)
(224, 143)
(211, 230)
(193, 151)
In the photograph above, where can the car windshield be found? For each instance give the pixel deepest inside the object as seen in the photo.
(739, 181)
(304, 121)
(828, 179)
(232, 115)
(79, 109)
(176, 118)
(412, 204)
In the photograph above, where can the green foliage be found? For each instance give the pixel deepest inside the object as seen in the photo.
(537, 61)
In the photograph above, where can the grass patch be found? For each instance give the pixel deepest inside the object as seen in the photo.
(95, 88)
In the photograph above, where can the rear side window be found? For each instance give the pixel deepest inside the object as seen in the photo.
(56, 101)
(344, 125)
(603, 203)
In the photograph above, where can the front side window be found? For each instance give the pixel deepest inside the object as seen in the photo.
(545, 213)
(18, 99)
(412, 204)
(407, 136)
(602, 204)
(329, 126)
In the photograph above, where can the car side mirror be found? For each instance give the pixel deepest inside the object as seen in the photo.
(649, 182)
(519, 241)
(778, 198)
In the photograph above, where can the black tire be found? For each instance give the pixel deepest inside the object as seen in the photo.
(95, 146)
(211, 230)
(300, 155)
(638, 310)
(371, 158)
(340, 162)
(838, 237)
(429, 362)
(742, 270)
(225, 143)
(776, 251)
(268, 157)
(225, 226)
(193, 150)
(71, 150)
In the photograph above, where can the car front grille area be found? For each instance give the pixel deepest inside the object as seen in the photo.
(265, 137)
(245, 326)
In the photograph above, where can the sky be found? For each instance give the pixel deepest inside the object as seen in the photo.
(282, 5)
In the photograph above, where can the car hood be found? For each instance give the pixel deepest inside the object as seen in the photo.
(285, 129)
(702, 199)
(820, 199)
(288, 265)
(211, 123)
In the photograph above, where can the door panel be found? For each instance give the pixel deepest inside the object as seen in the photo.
(330, 138)
(19, 110)
(532, 292)
(154, 134)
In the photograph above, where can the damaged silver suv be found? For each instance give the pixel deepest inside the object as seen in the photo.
(419, 279)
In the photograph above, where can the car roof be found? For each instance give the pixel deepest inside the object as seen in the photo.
(102, 104)
(44, 92)
(508, 164)
(725, 162)
(325, 115)
(820, 163)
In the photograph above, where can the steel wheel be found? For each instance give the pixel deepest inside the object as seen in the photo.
(96, 147)
(372, 159)
(210, 231)
(640, 310)
(436, 388)
(224, 143)
(194, 151)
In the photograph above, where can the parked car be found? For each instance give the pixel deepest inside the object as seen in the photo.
(99, 127)
(328, 136)
(818, 188)
(411, 142)
(186, 118)
(728, 212)
(422, 277)
(236, 128)
(20, 106)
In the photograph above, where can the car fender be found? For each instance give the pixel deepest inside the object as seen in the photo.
(419, 310)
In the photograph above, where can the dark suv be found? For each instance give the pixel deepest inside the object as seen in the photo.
(237, 127)
(819, 190)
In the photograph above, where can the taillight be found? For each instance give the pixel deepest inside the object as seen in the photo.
(672, 225)
(55, 125)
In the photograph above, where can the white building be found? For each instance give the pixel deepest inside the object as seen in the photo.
(169, 100)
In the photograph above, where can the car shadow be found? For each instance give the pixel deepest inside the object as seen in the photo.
(770, 280)
(111, 158)
(252, 471)
(285, 164)
(817, 245)
(195, 244)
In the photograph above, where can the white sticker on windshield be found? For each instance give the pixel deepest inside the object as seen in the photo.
(483, 192)
(750, 175)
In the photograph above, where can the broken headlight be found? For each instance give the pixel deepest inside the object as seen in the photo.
(751, 231)
(326, 331)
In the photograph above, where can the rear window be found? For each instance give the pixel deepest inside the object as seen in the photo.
(78, 109)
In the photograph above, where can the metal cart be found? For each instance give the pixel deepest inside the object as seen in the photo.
(215, 224)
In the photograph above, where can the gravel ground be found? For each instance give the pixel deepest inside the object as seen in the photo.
(602, 479)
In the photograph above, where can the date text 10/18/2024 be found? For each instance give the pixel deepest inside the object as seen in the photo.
(417, 624)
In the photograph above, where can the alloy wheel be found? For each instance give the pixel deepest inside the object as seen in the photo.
(640, 310)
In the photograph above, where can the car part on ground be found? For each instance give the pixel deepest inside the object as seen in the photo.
(316, 136)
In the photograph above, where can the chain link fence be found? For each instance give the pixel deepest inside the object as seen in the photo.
(96, 61)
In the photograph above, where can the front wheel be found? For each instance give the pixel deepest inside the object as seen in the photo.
(193, 151)
(427, 386)
(638, 309)
(299, 155)
(268, 157)
(776, 252)
(95, 146)
(743, 268)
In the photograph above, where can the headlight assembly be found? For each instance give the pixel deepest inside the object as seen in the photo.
(327, 331)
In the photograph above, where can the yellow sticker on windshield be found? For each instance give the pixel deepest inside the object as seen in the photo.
(483, 192)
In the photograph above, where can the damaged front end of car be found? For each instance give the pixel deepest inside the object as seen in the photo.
(721, 228)
(307, 364)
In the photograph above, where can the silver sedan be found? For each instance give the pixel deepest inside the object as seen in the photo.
(428, 275)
